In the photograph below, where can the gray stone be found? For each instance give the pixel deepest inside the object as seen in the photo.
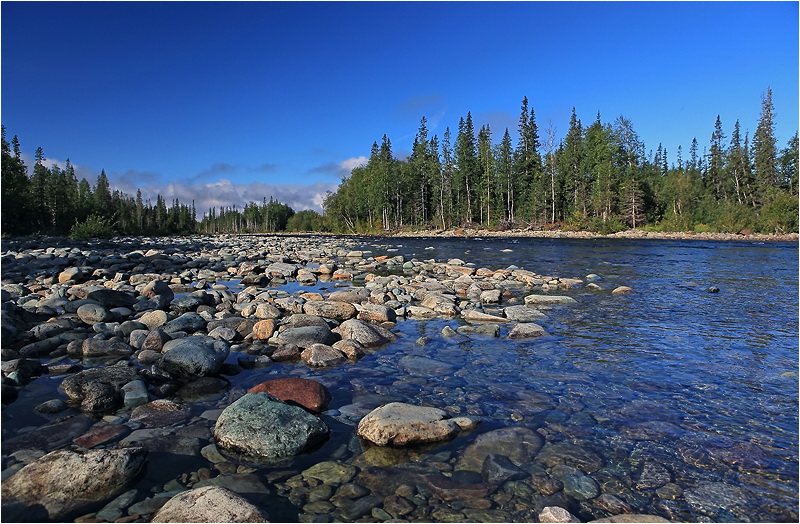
(193, 357)
(260, 425)
(321, 355)
(554, 514)
(519, 444)
(188, 322)
(135, 394)
(580, 486)
(424, 366)
(548, 300)
(498, 469)
(95, 347)
(526, 330)
(98, 389)
(93, 313)
(307, 336)
(330, 309)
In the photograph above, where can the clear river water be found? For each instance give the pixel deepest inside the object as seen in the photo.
(670, 380)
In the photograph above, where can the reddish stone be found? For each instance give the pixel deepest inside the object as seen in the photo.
(448, 490)
(264, 329)
(306, 393)
(101, 434)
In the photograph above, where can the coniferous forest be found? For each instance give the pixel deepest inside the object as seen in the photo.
(598, 177)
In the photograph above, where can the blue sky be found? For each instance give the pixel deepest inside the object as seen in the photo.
(229, 102)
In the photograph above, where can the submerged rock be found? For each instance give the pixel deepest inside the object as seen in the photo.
(400, 424)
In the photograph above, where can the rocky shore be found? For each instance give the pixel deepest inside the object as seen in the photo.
(141, 334)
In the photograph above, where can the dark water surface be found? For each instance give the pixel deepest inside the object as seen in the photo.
(670, 378)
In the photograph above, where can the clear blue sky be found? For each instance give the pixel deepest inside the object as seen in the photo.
(229, 102)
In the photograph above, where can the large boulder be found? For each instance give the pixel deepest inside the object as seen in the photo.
(321, 355)
(368, 335)
(193, 357)
(262, 426)
(66, 483)
(400, 424)
(209, 504)
(303, 392)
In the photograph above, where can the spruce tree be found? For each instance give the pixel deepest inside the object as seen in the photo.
(765, 156)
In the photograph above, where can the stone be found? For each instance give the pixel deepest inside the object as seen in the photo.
(556, 514)
(260, 425)
(519, 444)
(188, 322)
(490, 296)
(548, 300)
(424, 366)
(155, 340)
(448, 490)
(306, 393)
(570, 454)
(154, 319)
(330, 472)
(306, 336)
(111, 298)
(193, 357)
(476, 316)
(73, 274)
(267, 311)
(526, 330)
(134, 394)
(498, 469)
(286, 353)
(94, 313)
(492, 330)
(652, 430)
(580, 486)
(368, 335)
(321, 355)
(55, 405)
(350, 348)
(709, 498)
(376, 313)
(400, 424)
(653, 476)
(209, 504)
(66, 482)
(264, 329)
(637, 518)
(622, 290)
(102, 434)
(330, 309)
(160, 413)
(95, 347)
(98, 389)
(523, 314)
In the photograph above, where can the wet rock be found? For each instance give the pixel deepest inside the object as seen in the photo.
(155, 340)
(481, 329)
(55, 405)
(50, 436)
(286, 353)
(368, 335)
(330, 309)
(20, 371)
(111, 298)
(519, 444)
(400, 424)
(102, 434)
(188, 322)
(321, 355)
(612, 504)
(264, 329)
(448, 490)
(95, 347)
(98, 389)
(548, 300)
(71, 274)
(653, 476)
(556, 514)
(498, 469)
(424, 366)
(330, 472)
(350, 348)
(622, 290)
(209, 504)
(526, 330)
(523, 314)
(476, 316)
(160, 413)
(95, 313)
(306, 393)
(652, 430)
(193, 357)
(570, 454)
(632, 518)
(361, 507)
(202, 388)
(261, 425)
(66, 482)
(376, 313)
(154, 319)
(580, 486)
(135, 394)
(709, 498)
(307, 336)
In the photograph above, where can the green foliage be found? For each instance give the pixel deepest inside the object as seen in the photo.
(306, 220)
(94, 226)
(779, 214)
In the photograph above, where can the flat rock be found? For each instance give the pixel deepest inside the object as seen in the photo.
(330, 309)
(306, 336)
(368, 335)
(322, 355)
(98, 389)
(526, 330)
(548, 300)
(193, 357)
(402, 424)
(160, 413)
(424, 366)
(523, 314)
(519, 444)
(209, 504)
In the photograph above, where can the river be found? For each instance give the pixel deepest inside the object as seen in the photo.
(673, 400)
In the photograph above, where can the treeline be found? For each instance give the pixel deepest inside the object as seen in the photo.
(598, 177)
(51, 201)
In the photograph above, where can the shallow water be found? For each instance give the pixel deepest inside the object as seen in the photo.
(702, 384)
